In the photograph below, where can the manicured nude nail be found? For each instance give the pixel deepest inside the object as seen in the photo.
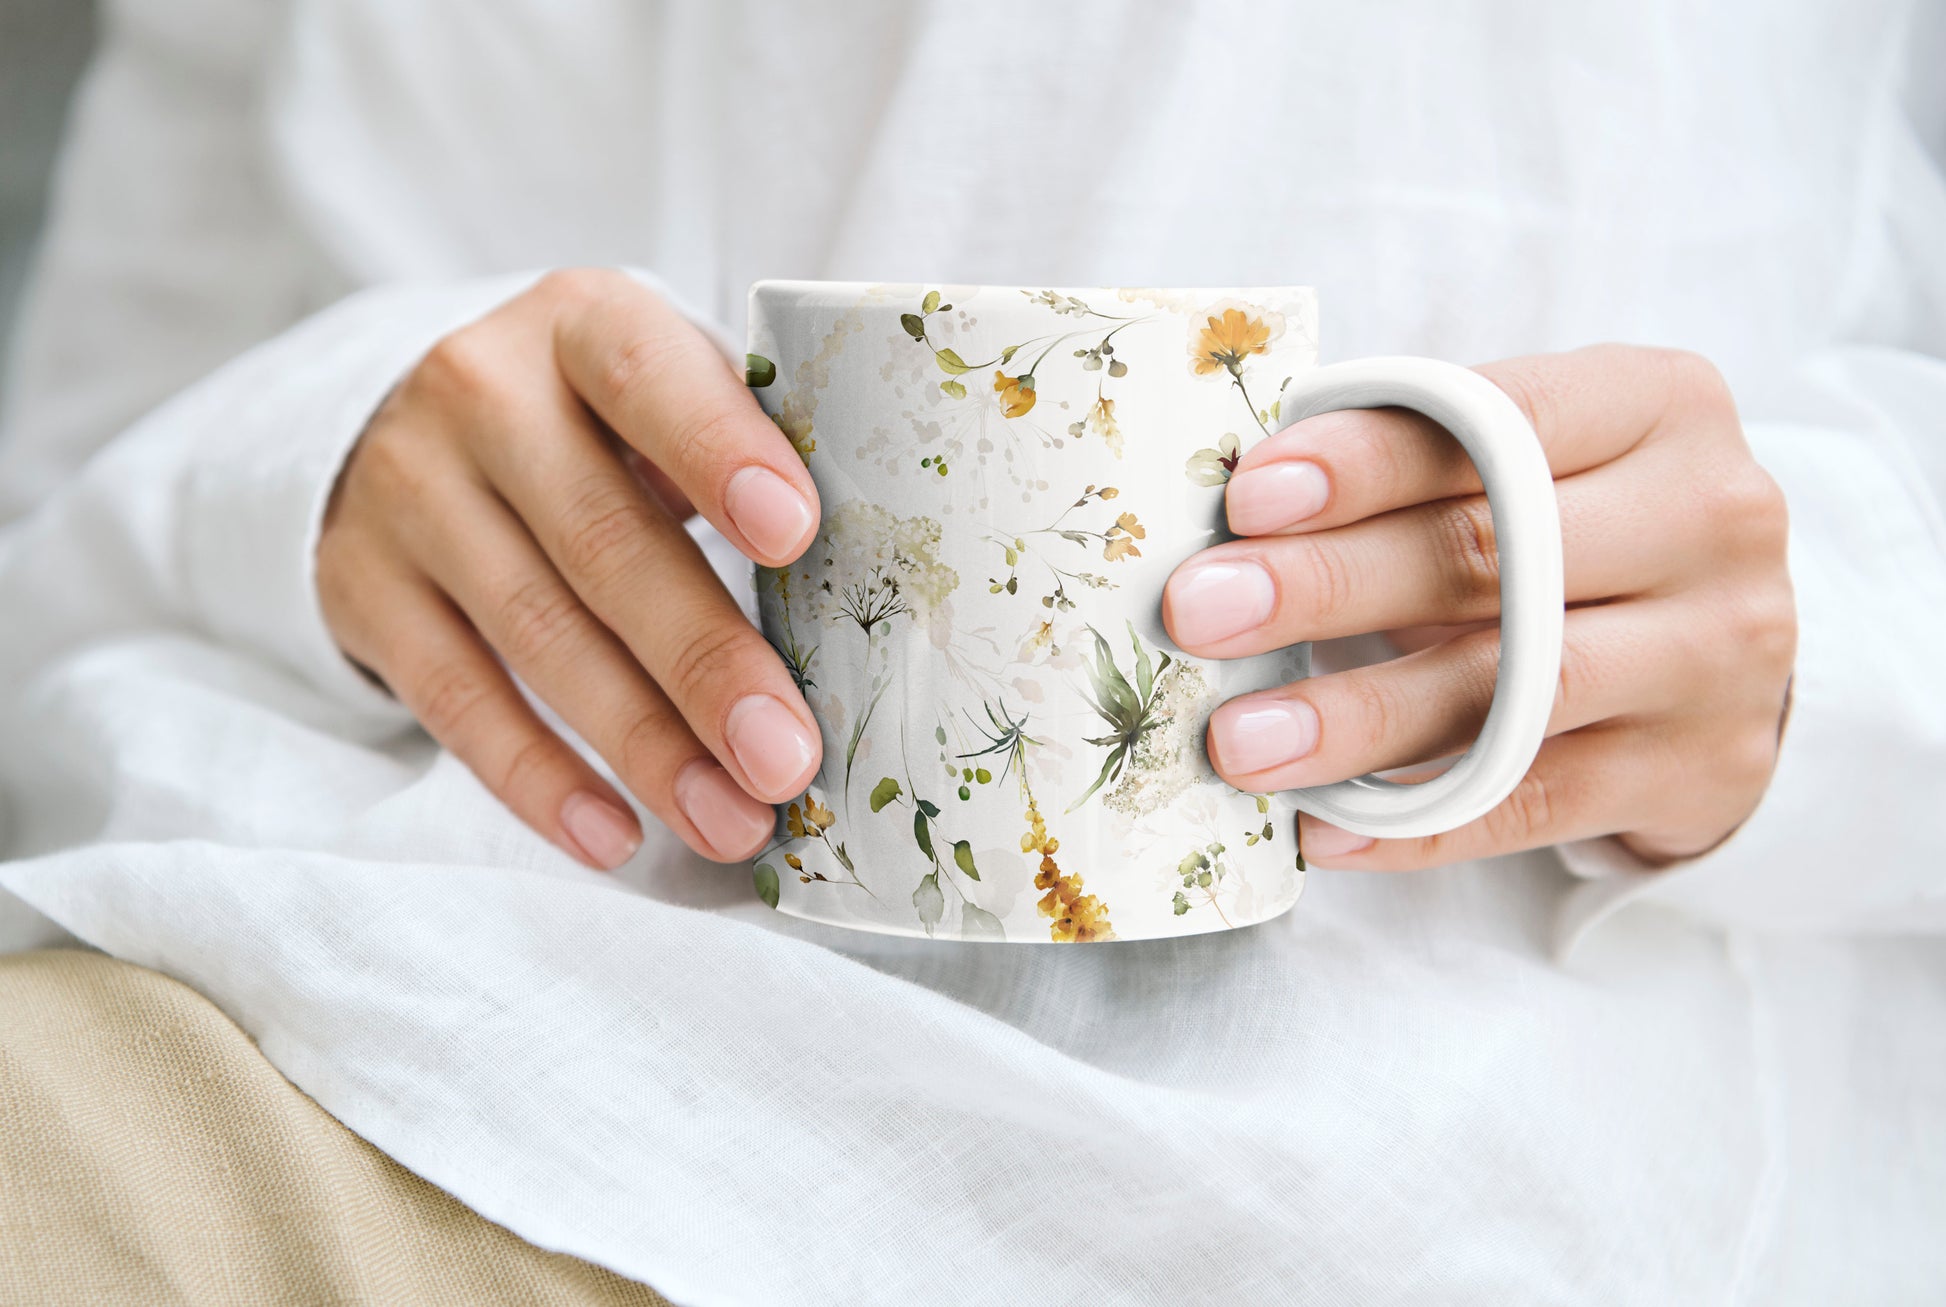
(1213, 601)
(770, 512)
(1276, 496)
(730, 821)
(773, 747)
(1323, 841)
(605, 833)
(1249, 735)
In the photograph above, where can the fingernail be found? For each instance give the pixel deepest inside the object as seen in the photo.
(769, 511)
(605, 833)
(1323, 841)
(1249, 735)
(1215, 600)
(1276, 495)
(773, 747)
(730, 821)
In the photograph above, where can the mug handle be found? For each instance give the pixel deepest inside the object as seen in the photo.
(1527, 529)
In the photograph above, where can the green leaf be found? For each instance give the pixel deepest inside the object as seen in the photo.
(1118, 369)
(758, 371)
(1118, 702)
(914, 325)
(1144, 673)
(923, 836)
(928, 807)
(949, 361)
(953, 388)
(939, 733)
(978, 923)
(1112, 764)
(1013, 556)
(765, 877)
(1182, 904)
(1263, 803)
(929, 901)
(963, 856)
(1007, 354)
(884, 792)
(981, 774)
(931, 301)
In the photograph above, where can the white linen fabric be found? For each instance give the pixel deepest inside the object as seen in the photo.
(1734, 1089)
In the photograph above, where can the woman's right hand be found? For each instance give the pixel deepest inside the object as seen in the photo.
(521, 494)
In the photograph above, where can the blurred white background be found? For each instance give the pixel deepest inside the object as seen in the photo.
(43, 45)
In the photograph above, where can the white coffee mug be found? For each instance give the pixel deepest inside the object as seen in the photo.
(1013, 747)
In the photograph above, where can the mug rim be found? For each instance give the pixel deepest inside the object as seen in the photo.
(815, 290)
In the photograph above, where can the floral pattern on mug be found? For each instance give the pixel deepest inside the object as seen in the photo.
(1039, 700)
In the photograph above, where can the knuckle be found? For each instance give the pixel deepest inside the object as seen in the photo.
(1529, 385)
(462, 366)
(605, 531)
(1578, 686)
(1331, 585)
(536, 616)
(1525, 816)
(1376, 452)
(706, 439)
(1695, 380)
(1382, 719)
(712, 653)
(642, 755)
(574, 285)
(637, 366)
(1469, 550)
(1765, 628)
(530, 765)
(448, 698)
(1751, 506)
(1475, 670)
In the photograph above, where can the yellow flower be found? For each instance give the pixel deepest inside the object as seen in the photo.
(818, 814)
(1016, 393)
(1076, 918)
(1119, 542)
(1227, 339)
(1101, 421)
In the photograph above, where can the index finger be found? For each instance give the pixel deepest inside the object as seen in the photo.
(1588, 406)
(660, 385)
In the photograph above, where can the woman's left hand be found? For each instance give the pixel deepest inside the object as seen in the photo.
(1680, 637)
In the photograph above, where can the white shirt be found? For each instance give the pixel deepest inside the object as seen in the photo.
(1734, 1089)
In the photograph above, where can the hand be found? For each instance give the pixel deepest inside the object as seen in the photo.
(1680, 633)
(494, 507)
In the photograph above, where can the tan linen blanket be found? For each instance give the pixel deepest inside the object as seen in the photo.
(150, 1154)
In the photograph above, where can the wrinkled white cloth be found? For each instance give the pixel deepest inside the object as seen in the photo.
(1733, 1090)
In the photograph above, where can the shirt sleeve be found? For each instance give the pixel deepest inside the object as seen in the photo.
(204, 515)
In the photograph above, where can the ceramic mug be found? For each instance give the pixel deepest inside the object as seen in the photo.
(1013, 749)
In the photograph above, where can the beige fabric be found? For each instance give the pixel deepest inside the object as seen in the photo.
(150, 1154)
